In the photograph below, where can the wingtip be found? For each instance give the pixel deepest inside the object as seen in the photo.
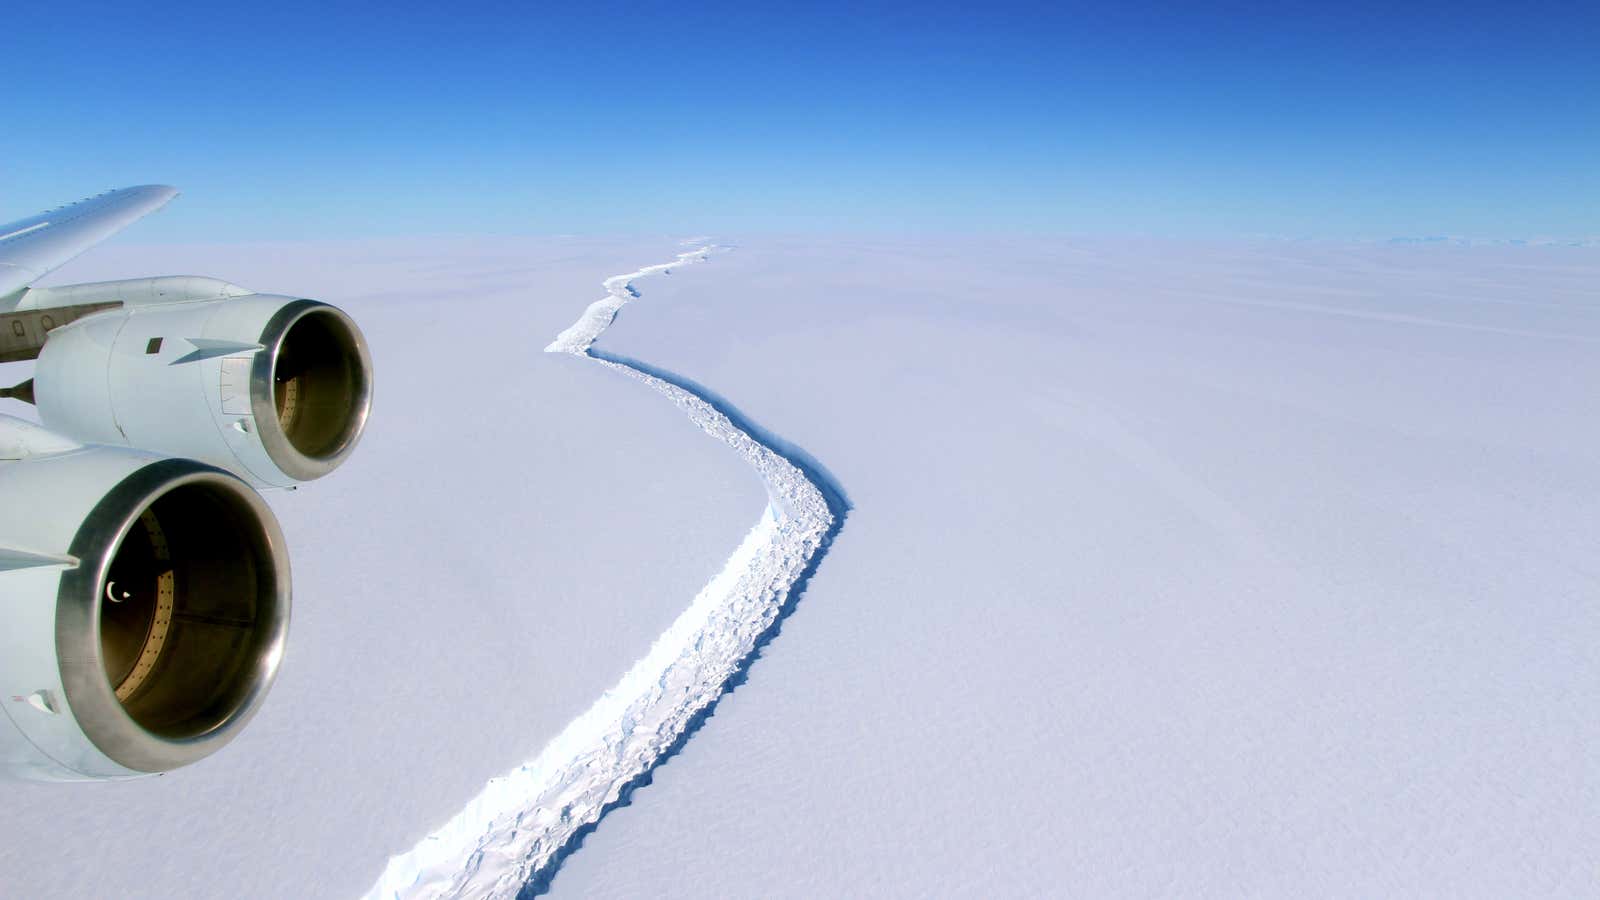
(164, 192)
(150, 197)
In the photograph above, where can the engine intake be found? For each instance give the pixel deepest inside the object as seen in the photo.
(171, 627)
(168, 631)
(310, 388)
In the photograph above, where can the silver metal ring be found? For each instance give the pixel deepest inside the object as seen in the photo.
(89, 691)
(292, 460)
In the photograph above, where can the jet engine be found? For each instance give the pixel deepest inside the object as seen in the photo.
(146, 617)
(144, 581)
(275, 388)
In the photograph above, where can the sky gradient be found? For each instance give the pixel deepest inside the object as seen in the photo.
(313, 121)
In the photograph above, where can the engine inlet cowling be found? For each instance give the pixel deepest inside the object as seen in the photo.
(170, 630)
(311, 388)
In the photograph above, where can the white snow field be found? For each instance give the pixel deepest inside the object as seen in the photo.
(1169, 568)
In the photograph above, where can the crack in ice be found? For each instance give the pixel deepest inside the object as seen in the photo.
(520, 825)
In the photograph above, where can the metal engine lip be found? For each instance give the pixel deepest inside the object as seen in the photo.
(283, 453)
(89, 693)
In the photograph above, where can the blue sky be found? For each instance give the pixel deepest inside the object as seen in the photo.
(344, 120)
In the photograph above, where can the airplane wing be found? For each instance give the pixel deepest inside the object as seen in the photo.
(32, 247)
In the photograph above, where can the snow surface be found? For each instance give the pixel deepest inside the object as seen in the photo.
(1171, 568)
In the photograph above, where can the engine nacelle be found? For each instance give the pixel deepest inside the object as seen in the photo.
(145, 612)
(274, 388)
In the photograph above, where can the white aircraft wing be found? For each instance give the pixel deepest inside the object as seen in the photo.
(32, 247)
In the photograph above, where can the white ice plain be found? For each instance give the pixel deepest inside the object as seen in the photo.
(1171, 568)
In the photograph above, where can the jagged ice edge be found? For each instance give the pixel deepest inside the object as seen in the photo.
(514, 827)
